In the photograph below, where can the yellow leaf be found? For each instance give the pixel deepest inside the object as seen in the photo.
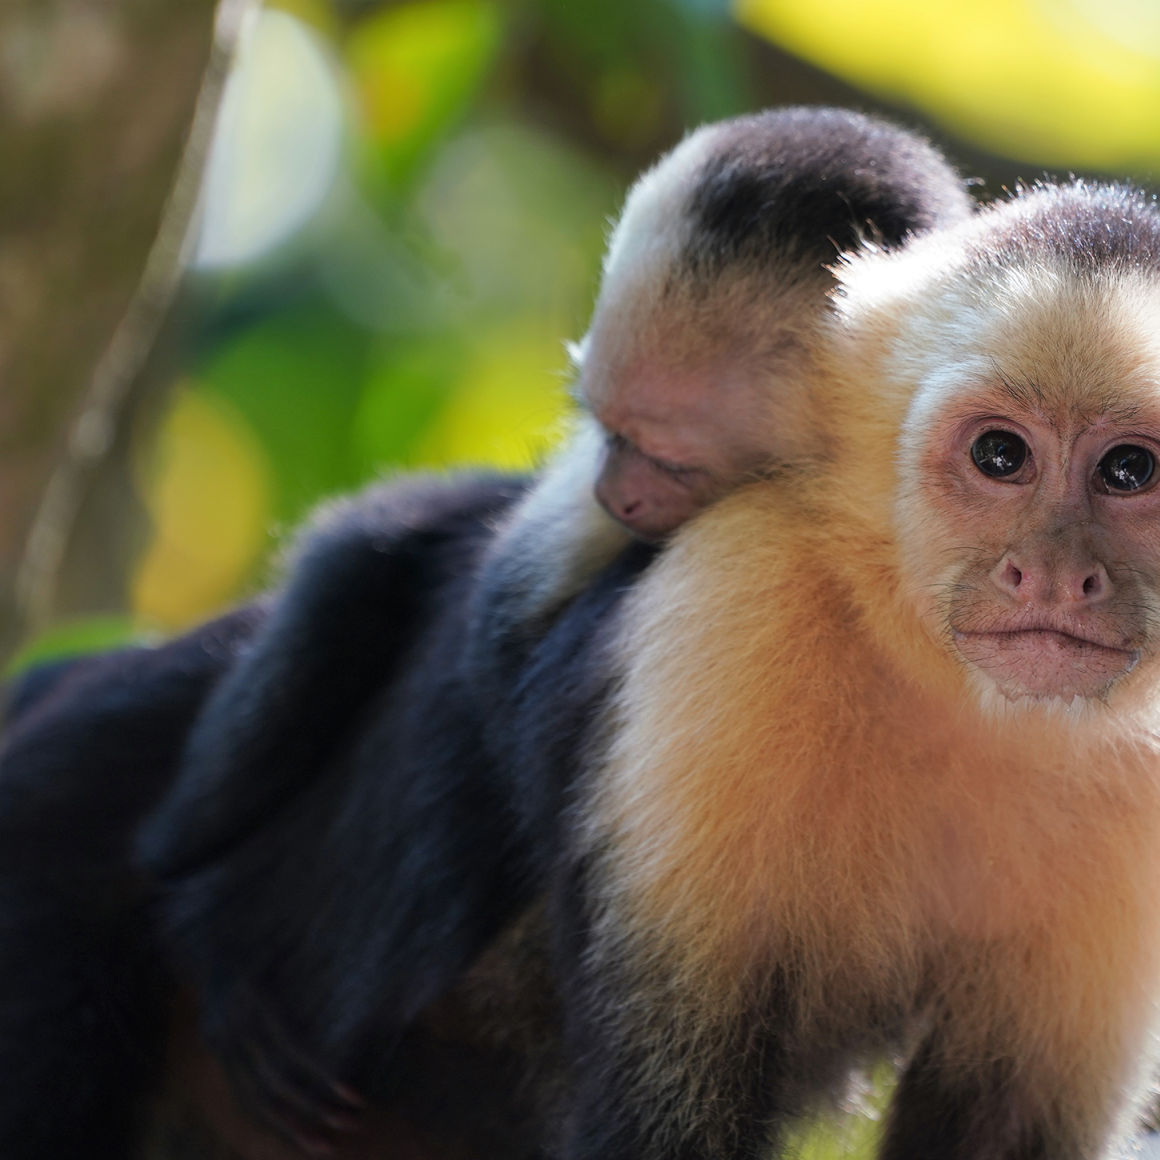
(1056, 82)
(208, 495)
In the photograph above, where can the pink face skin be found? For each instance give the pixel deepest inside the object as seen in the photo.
(650, 497)
(678, 439)
(1054, 594)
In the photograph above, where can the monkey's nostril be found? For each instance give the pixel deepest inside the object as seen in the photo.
(1092, 586)
(1013, 575)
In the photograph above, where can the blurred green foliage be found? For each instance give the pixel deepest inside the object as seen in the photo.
(416, 68)
(419, 319)
(296, 378)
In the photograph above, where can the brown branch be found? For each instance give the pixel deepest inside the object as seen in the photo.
(106, 109)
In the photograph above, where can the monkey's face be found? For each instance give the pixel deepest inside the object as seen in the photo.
(671, 447)
(684, 425)
(1060, 520)
(1031, 517)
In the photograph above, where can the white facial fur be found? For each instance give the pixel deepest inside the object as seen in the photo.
(1043, 583)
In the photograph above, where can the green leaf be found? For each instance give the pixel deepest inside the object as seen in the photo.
(76, 638)
(402, 396)
(416, 68)
(296, 379)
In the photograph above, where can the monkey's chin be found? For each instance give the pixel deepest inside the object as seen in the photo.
(1044, 665)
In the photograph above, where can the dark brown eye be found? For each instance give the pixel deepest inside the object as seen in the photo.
(1127, 468)
(999, 453)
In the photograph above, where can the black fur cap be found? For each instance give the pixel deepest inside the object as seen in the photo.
(812, 183)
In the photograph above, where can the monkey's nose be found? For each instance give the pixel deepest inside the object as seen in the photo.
(1048, 582)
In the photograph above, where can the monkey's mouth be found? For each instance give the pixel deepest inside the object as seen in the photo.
(1045, 662)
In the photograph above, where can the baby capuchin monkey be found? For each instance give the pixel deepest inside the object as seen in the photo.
(695, 366)
(715, 285)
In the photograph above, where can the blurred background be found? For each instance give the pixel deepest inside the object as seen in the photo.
(250, 264)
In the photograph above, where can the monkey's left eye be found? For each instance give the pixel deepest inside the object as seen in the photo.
(999, 453)
(1127, 468)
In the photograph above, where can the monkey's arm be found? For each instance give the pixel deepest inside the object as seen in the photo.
(350, 695)
(317, 938)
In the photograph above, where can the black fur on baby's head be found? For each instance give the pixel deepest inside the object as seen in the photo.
(808, 184)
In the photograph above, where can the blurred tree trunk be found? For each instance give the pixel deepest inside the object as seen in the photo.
(106, 108)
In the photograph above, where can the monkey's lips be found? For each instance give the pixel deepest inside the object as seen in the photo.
(1046, 662)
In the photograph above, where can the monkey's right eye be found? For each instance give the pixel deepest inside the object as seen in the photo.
(999, 453)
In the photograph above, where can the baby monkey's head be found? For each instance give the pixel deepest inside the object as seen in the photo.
(715, 283)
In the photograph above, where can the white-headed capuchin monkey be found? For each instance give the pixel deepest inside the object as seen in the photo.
(694, 368)
(880, 774)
